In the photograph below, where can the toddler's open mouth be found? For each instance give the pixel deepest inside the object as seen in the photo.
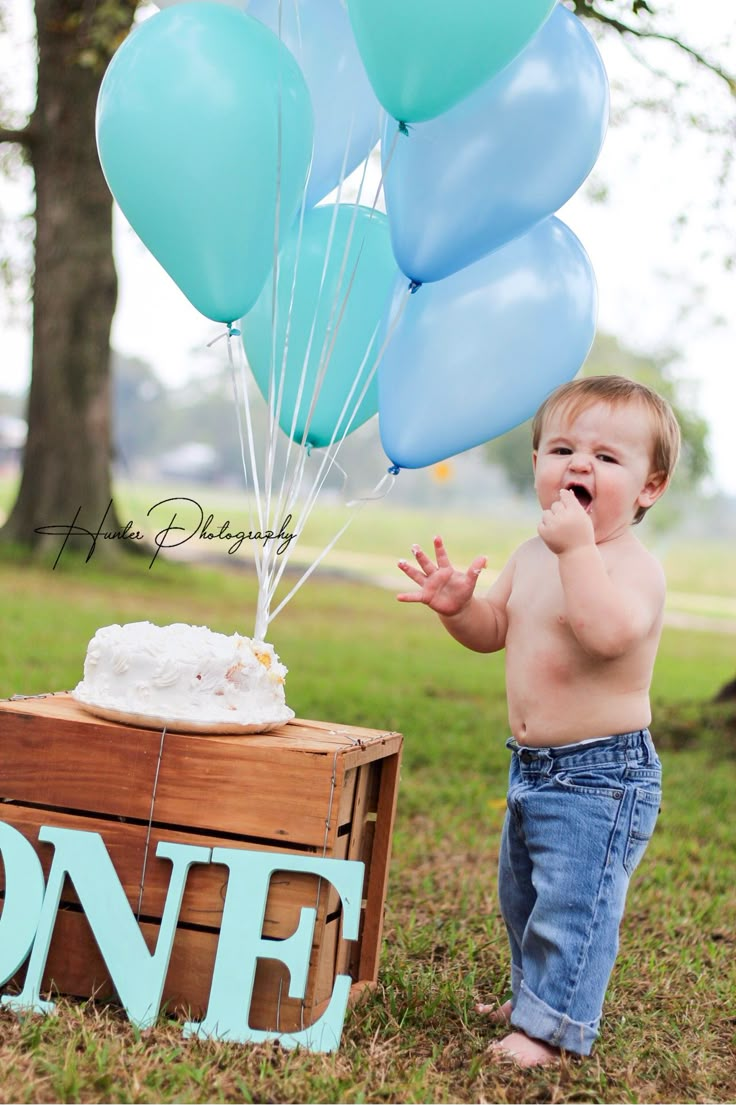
(582, 495)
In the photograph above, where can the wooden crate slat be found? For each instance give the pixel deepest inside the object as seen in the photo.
(299, 733)
(359, 811)
(347, 792)
(382, 746)
(75, 766)
(280, 798)
(377, 882)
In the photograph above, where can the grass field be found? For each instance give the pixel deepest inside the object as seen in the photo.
(356, 656)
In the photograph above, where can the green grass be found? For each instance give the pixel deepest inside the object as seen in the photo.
(356, 656)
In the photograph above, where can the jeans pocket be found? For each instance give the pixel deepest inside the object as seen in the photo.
(644, 815)
(590, 782)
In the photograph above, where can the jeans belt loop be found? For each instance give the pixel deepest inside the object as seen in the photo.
(636, 749)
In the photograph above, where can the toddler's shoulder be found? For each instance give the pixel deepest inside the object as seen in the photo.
(529, 560)
(633, 559)
(530, 549)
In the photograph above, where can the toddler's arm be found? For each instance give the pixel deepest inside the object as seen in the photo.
(479, 623)
(609, 609)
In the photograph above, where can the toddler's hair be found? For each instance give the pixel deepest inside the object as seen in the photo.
(577, 395)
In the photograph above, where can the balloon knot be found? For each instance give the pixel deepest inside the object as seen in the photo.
(403, 128)
(232, 331)
(414, 285)
(308, 447)
(394, 470)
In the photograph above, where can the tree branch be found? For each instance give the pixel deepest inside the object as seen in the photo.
(585, 9)
(21, 136)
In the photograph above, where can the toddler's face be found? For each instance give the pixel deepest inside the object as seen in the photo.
(604, 455)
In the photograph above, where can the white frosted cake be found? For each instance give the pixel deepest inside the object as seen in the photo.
(183, 675)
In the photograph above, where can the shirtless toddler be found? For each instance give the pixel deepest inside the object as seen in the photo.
(578, 610)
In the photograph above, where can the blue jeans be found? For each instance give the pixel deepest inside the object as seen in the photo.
(578, 822)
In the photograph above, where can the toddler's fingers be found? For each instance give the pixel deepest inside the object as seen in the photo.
(411, 596)
(413, 573)
(424, 562)
(477, 567)
(443, 560)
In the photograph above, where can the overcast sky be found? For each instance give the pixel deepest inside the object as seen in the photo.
(661, 284)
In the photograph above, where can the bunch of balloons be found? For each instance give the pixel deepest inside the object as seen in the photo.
(221, 126)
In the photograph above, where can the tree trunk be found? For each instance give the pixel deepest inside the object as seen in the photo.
(66, 470)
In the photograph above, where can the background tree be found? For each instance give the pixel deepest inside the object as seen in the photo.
(68, 452)
(67, 459)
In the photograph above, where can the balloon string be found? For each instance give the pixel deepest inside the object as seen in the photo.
(386, 481)
(329, 460)
(288, 496)
(331, 333)
(240, 393)
(229, 333)
(308, 351)
(329, 345)
(323, 363)
(266, 562)
(273, 404)
(269, 566)
(323, 367)
(288, 491)
(326, 352)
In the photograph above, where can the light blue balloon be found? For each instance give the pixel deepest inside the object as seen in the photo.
(474, 355)
(204, 131)
(511, 154)
(333, 288)
(347, 116)
(424, 56)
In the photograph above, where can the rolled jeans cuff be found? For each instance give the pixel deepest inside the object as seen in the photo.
(539, 1020)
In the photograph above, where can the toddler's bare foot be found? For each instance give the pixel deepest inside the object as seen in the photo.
(501, 1014)
(524, 1051)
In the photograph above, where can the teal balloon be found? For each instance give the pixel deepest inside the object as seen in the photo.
(332, 291)
(474, 355)
(204, 133)
(423, 56)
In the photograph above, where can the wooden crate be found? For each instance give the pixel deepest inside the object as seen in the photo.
(307, 788)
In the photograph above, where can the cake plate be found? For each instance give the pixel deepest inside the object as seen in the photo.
(202, 727)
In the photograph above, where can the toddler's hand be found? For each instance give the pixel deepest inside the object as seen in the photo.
(445, 589)
(566, 525)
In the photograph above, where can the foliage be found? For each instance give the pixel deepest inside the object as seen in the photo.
(639, 21)
(100, 29)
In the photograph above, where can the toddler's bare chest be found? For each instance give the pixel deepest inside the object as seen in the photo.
(537, 598)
